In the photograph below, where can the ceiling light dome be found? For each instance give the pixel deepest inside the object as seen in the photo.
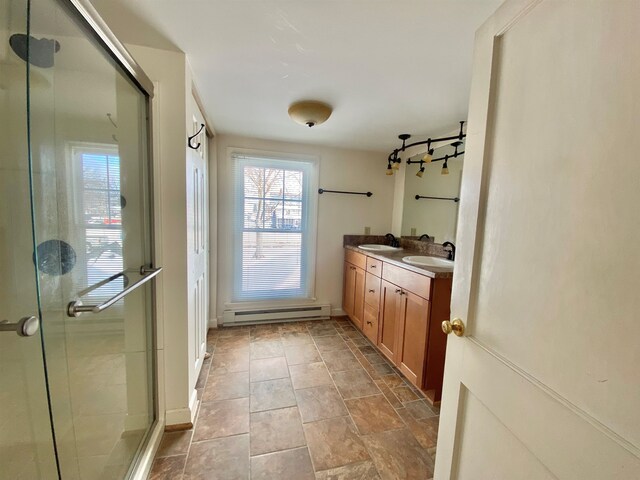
(309, 112)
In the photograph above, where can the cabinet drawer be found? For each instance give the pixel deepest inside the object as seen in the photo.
(372, 291)
(370, 324)
(374, 266)
(410, 281)
(355, 258)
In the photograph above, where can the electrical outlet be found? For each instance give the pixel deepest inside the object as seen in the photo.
(413, 232)
(367, 230)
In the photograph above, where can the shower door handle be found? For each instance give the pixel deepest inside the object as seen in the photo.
(76, 307)
(25, 327)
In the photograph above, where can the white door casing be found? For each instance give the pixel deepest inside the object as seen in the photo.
(546, 381)
(197, 238)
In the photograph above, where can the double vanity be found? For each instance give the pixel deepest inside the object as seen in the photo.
(398, 299)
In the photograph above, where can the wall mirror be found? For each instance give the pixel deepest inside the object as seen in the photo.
(437, 217)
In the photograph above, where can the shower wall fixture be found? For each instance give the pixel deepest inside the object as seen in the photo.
(38, 52)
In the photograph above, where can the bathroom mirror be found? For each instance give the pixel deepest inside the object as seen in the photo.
(436, 217)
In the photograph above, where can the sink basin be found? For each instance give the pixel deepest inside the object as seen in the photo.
(424, 261)
(378, 248)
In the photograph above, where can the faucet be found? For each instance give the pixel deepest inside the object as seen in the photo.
(393, 241)
(451, 252)
(424, 237)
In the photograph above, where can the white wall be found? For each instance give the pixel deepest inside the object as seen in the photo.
(168, 72)
(340, 169)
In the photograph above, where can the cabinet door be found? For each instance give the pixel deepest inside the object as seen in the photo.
(358, 297)
(372, 291)
(390, 300)
(370, 325)
(414, 332)
(349, 288)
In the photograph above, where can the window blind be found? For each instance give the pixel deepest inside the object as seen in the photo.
(274, 228)
(102, 204)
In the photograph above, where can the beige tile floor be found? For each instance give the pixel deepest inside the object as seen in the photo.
(301, 400)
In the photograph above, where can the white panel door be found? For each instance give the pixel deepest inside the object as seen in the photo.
(198, 214)
(546, 381)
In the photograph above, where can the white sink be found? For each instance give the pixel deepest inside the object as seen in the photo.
(371, 247)
(424, 261)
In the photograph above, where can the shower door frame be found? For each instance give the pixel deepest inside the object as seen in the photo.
(89, 16)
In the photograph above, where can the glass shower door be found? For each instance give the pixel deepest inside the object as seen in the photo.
(26, 439)
(88, 137)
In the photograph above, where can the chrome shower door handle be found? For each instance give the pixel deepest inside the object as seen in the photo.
(76, 307)
(25, 327)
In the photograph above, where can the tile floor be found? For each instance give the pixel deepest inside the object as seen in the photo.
(301, 400)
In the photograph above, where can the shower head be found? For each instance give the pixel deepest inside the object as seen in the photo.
(39, 52)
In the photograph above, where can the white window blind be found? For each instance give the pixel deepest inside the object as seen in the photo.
(275, 223)
(102, 204)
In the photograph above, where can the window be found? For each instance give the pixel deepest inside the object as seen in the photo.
(275, 219)
(101, 208)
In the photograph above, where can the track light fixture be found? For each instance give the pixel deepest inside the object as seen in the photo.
(429, 155)
(445, 167)
(393, 161)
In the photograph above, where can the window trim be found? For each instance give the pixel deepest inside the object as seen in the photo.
(312, 223)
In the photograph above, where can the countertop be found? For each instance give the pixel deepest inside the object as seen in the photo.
(395, 258)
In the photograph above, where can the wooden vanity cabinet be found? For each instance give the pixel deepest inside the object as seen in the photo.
(370, 322)
(400, 311)
(390, 300)
(354, 287)
(413, 336)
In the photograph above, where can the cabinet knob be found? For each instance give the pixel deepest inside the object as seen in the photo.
(398, 290)
(456, 326)
(373, 266)
(369, 322)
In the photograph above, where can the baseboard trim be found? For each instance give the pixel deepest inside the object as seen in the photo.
(183, 416)
(213, 322)
(338, 312)
(178, 427)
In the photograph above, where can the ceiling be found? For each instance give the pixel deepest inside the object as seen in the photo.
(386, 66)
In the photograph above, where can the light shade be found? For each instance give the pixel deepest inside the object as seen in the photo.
(310, 112)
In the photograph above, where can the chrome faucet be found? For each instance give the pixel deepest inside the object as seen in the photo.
(393, 241)
(424, 237)
(451, 252)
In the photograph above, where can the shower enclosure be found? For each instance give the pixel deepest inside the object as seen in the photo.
(76, 256)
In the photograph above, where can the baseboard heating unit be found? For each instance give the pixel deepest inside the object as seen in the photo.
(240, 316)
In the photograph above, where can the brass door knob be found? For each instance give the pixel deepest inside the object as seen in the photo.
(456, 326)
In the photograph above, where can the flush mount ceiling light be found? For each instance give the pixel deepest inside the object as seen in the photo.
(394, 159)
(309, 112)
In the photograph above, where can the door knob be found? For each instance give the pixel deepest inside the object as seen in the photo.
(25, 327)
(456, 326)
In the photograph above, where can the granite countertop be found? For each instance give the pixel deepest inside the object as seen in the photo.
(395, 258)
